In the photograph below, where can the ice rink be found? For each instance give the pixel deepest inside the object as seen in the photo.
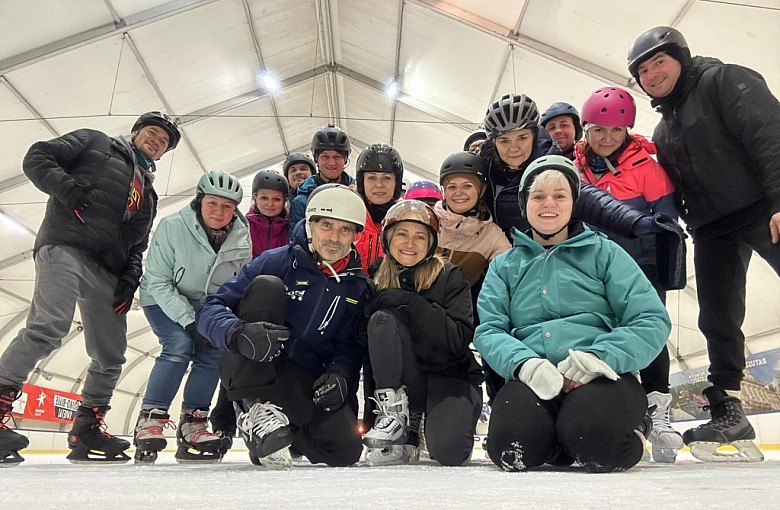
(49, 481)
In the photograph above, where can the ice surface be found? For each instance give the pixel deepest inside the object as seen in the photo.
(49, 481)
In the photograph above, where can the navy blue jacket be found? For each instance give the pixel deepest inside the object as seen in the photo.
(321, 311)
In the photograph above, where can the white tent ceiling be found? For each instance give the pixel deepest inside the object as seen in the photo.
(67, 64)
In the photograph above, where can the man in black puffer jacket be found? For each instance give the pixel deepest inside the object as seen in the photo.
(718, 140)
(88, 252)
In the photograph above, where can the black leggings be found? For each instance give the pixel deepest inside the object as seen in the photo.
(593, 425)
(451, 405)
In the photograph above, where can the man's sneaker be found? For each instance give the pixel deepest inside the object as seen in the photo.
(264, 428)
(392, 423)
(663, 438)
(727, 426)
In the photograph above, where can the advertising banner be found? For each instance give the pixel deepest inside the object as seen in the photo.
(760, 388)
(45, 404)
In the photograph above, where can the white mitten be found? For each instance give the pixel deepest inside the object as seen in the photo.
(541, 376)
(583, 367)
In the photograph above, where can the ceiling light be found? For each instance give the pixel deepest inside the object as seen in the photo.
(393, 89)
(268, 80)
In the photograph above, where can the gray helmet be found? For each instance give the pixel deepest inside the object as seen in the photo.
(221, 184)
(666, 39)
(561, 108)
(163, 121)
(330, 138)
(463, 163)
(268, 179)
(295, 158)
(511, 112)
(539, 165)
(383, 158)
(479, 134)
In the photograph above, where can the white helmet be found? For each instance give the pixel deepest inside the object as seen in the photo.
(335, 201)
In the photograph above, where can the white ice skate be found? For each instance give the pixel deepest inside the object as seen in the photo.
(663, 438)
(395, 455)
(392, 423)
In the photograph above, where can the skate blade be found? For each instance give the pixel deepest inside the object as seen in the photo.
(145, 458)
(747, 451)
(664, 455)
(277, 461)
(93, 457)
(396, 455)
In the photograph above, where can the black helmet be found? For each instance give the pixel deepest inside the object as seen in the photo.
(463, 163)
(666, 39)
(511, 112)
(330, 138)
(295, 158)
(163, 121)
(539, 165)
(268, 179)
(383, 158)
(479, 134)
(561, 108)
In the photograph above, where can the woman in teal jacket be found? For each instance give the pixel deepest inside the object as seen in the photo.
(193, 252)
(566, 317)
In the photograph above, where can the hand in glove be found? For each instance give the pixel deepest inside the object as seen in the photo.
(646, 226)
(330, 391)
(259, 341)
(582, 367)
(542, 377)
(200, 340)
(123, 295)
(390, 298)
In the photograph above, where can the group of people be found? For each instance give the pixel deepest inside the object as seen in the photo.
(547, 245)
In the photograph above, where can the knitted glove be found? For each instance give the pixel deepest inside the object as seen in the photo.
(583, 367)
(541, 376)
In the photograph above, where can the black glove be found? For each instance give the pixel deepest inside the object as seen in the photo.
(330, 391)
(391, 298)
(259, 341)
(79, 201)
(123, 294)
(200, 340)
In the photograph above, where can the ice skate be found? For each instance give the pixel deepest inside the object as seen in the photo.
(196, 444)
(727, 426)
(266, 432)
(665, 441)
(392, 423)
(227, 440)
(89, 441)
(149, 439)
(408, 453)
(10, 442)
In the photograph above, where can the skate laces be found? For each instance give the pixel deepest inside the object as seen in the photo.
(386, 417)
(262, 419)
(7, 400)
(661, 421)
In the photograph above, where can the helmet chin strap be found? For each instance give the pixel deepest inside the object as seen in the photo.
(547, 237)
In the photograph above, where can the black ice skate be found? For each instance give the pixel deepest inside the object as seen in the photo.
(89, 441)
(266, 432)
(227, 440)
(728, 426)
(195, 443)
(10, 442)
(149, 439)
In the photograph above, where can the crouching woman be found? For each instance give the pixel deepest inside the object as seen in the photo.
(566, 318)
(419, 330)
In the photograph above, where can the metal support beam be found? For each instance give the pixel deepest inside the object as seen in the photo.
(158, 91)
(29, 107)
(330, 59)
(508, 53)
(397, 67)
(259, 55)
(96, 34)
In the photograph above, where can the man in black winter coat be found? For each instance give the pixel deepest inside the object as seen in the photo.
(88, 252)
(718, 140)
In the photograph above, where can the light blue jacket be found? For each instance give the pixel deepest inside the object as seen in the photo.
(585, 293)
(181, 267)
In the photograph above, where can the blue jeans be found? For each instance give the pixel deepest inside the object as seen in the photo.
(178, 350)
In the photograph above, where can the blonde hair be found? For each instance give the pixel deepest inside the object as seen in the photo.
(424, 276)
(549, 179)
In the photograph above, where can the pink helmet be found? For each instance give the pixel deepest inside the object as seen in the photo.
(609, 107)
(423, 189)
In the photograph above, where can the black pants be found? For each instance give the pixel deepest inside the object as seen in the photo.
(721, 265)
(593, 424)
(655, 377)
(223, 414)
(451, 405)
(323, 437)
